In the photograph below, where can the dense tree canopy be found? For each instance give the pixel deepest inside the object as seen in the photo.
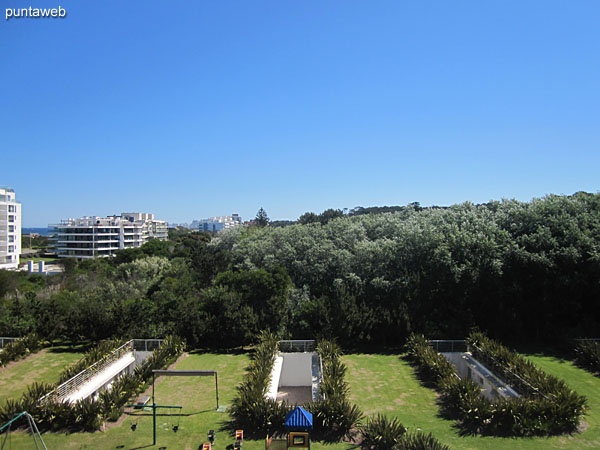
(516, 270)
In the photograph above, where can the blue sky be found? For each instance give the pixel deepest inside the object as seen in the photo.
(201, 108)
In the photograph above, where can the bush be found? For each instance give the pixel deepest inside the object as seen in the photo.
(381, 433)
(20, 348)
(588, 354)
(420, 441)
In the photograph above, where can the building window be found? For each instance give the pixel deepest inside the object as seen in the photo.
(11, 228)
(11, 208)
(11, 218)
(11, 249)
(11, 239)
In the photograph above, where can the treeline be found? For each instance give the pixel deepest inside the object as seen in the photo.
(515, 270)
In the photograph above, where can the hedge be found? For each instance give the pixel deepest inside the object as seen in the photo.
(546, 407)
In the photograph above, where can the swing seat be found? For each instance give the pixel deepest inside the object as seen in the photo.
(239, 435)
(206, 446)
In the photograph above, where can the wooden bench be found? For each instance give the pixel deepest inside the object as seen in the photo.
(143, 400)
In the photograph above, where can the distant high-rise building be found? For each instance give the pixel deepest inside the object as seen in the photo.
(217, 223)
(92, 237)
(10, 229)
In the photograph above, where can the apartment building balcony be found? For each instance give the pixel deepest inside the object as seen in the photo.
(89, 239)
(82, 249)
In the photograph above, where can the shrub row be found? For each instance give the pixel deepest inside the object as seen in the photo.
(88, 414)
(250, 410)
(334, 416)
(588, 354)
(383, 433)
(552, 408)
(20, 348)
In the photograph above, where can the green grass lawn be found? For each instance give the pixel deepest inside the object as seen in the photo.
(44, 367)
(379, 383)
(387, 384)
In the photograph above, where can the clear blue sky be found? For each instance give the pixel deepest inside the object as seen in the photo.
(200, 108)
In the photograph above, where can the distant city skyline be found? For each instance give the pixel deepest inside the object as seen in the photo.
(297, 106)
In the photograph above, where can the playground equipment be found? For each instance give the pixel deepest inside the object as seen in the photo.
(154, 406)
(35, 433)
(239, 438)
(297, 423)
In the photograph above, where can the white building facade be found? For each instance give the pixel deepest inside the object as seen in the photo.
(217, 223)
(10, 229)
(93, 237)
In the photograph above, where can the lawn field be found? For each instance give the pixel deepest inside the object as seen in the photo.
(379, 383)
(387, 384)
(44, 366)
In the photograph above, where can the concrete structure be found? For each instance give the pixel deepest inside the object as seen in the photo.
(43, 268)
(10, 229)
(295, 377)
(492, 387)
(92, 237)
(102, 374)
(217, 223)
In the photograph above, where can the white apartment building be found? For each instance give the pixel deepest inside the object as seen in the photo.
(10, 229)
(217, 223)
(92, 237)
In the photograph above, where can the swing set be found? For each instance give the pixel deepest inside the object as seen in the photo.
(154, 406)
(32, 428)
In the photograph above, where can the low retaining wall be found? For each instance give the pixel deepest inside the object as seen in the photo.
(469, 367)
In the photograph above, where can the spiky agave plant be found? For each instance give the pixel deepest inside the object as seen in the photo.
(420, 441)
(382, 433)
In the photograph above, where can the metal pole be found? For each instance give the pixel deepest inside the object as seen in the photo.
(32, 431)
(153, 413)
(217, 387)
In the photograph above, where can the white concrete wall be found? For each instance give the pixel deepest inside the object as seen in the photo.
(275, 377)
(468, 367)
(297, 369)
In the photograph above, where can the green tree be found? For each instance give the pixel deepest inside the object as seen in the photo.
(262, 219)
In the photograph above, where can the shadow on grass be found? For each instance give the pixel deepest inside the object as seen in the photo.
(149, 414)
(220, 351)
(69, 349)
